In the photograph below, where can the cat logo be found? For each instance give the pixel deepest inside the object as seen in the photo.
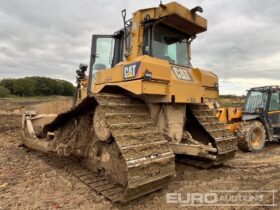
(182, 73)
(131, 70)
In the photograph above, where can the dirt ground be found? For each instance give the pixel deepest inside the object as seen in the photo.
(31, 180)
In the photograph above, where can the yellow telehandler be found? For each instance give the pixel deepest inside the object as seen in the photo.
(141, 105)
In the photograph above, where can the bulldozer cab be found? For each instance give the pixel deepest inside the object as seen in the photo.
(159, 41)
(163, 32)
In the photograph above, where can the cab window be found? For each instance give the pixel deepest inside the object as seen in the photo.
(274, 101)
(255, 100)
(104, 54)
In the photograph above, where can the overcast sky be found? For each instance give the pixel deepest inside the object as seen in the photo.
(51, 37)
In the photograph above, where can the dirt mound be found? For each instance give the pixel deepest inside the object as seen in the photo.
(53, 107)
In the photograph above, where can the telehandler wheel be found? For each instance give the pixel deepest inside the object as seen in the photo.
(254, 140)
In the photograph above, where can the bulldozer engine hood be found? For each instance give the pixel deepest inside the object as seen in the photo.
(147, 75)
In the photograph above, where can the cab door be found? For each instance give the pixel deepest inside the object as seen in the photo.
(106, 52)
(101, 52)
(274, 112)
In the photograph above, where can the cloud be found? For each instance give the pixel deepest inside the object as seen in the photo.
(239, 86)
(242, 41)
(50, 38)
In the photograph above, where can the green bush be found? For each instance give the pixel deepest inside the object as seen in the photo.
(4, 92)
(38, 86)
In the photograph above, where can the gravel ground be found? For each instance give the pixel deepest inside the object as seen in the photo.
(32, 180)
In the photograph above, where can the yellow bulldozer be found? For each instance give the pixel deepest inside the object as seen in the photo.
(141, 106)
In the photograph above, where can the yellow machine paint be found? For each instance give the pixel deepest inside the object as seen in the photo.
(169, 83)
(231, 116)
(185, 85)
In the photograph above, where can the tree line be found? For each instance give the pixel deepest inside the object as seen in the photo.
(35, 86)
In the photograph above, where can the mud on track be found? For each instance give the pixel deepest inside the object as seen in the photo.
(31, 180)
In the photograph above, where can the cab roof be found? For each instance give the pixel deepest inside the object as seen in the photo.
(176, 16)
(266, 88)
